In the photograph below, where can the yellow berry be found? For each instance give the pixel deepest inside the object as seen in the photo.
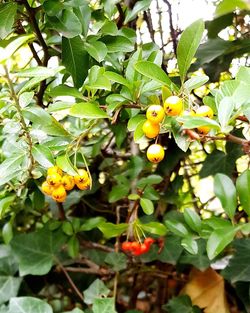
(54, 179)
(68, 182)
(173, 106)
(84, 186)
(155, 153)
(205, 111)
(204, 130)
(59, 194)
(155, 113)
(46, 188)
(82, 177)
(54, 169)
(150, 129)
(188, 113)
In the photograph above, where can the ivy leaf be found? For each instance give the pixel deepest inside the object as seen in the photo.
(106, 305)
(118, 261)
(96, 290)
(181, 304)
(28, 305)
(35, 251)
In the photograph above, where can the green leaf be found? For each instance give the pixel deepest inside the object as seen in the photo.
(181, 140)
(35, 251)
(9, 287)
(63, 161)
(181, 304)
(137, 8)
(43, 155)
(75, 59)
(195, 82)
(92, 223)
(177, 228)
(171, 251)
(225, 190)
(190, 245)
(28, 305)
(73, 247)
(139, 134)
(154, 72)
(66, 23)
(7, 232)
(7, 14)
(87, 110)
(118, 44)
(5, 204)
(135, 121)
(225, 110)
(187, 46)
(192, 219)
(106, 305)
(147, 206)
(155, 228)
(16, 42)
(219, 239)
(26, 98)
(97, 50)
(149, 180)
(96, 290)
(117, 261)
(239, 266)
(76, 310)
(117, 78)
(227, 6)
(10, 167)
(243, 190)
(39, 71)
(118, 192)
(190, 122)
(65, 90)
(110, 230)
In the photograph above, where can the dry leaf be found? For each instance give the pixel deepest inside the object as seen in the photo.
(206, 289)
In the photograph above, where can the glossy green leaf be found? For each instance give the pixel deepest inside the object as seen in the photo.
(225, 110)
(10, 167)
(110, 230)
(187, 46)
(118, 44)
(243, 190)
(87, 110)
(149, 180)
(147, 206)
(225, 190)
(65, 90)
(118, 192)
(190, 122)
(177, 227)
(137, 8)
(155, 228)
(75, 59)
(189, 244)
(134, 122)
(97, 50)
(195, 82)
(63, 161)
(117, 78)
(192, 219)
(226, 6)
(219, 239)
(43, 155)
(5, 204)
(7, 14)
(154, 72)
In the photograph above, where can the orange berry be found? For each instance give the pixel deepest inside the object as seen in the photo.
(155, 153)
(205, 111)
(204, 130)
(82, 177)
(54, 169)
(46, 188)
(155, 113)
(54, 179)
(144, 248)
(68, 182)
(150, 129)
(173, 106)
(59, 194)
(84, 186)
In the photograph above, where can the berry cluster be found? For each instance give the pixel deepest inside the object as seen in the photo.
(173, 106)
(136, 248)
(57, 183)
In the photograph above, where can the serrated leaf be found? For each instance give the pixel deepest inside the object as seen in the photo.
(87, 110)
(187, 46)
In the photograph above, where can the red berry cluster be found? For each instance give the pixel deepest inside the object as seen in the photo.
(137, 248)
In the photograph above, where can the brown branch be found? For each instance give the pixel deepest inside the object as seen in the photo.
(94, 245)
(72, 284)
(171, 26)
(61, 212)
(148, 19)
(100, 271)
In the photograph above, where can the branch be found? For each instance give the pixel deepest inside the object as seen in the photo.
(148, 19)
(94, 245)
(171, 26)
(61, 212)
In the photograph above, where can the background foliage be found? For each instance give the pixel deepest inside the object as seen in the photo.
(77, 78)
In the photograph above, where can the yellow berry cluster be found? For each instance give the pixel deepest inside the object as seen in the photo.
(57, 183)
(173, 106)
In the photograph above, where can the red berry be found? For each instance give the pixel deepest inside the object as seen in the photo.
(135, 248)
(126, 246)
(144, 248)
(149, 241)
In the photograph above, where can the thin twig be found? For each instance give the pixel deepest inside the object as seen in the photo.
(171, 26)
